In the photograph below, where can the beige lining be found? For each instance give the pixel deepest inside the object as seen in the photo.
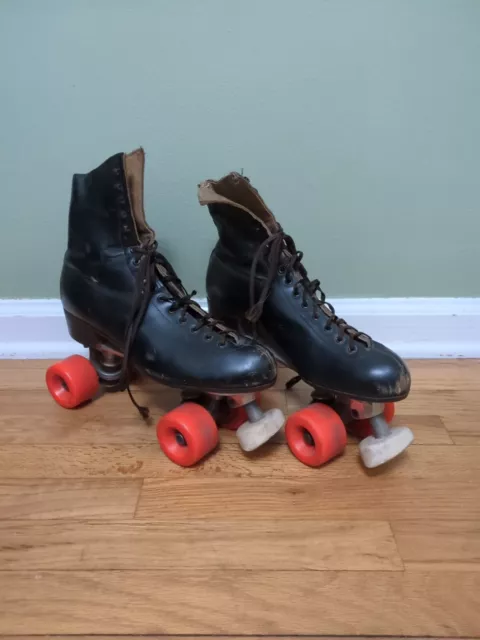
(134, 166)
(235, 190)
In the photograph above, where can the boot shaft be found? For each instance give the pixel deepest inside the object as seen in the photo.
(106, 221)
(243, 222)
(106, 210)
(241, 216)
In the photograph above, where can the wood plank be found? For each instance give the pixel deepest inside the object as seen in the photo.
(460, 374)
(272, 461)
(465, 434)
(441, 546)
(204, 637)
(143, 546)
(440, 401)
(23, 374)
(240, 602)
(427, 429)
(95, 424)
(112, 418)
(35, 418)
(456, 407)
(49, 499)
(459, 464)
(356, 498)
(466, 439)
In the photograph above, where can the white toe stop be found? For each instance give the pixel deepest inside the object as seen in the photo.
(252, 435)
(377, 451)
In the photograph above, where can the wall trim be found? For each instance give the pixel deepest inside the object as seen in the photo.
(414, 327)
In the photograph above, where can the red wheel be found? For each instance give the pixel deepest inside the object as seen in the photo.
(237, 416)
(315, 434)
(362, 428)
(72, 381)
(187, 434)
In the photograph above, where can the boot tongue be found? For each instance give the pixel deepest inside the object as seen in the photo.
(235, 190)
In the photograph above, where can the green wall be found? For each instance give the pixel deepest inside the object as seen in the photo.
(358, 120)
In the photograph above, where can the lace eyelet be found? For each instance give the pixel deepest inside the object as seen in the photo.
(339, 340)
(182, 321)
(296, 294)
(281, 270)
(135, 262)
(351, 350)
(171, 310)
(327, 327)
(194, 329)
(207, 337)
(221, 345)
(305, 305)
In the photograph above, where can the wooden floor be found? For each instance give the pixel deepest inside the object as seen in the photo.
(101, 534)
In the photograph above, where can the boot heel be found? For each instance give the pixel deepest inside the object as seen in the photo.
(81, 331)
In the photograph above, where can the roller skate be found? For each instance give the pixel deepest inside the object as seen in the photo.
(256, 282)
(124, 302)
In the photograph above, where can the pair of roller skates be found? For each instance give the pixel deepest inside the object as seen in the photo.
(124, 301)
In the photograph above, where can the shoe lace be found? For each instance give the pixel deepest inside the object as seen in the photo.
(282, 256)
(152, 265)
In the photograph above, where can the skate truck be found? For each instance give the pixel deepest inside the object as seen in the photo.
(256, 282)
(125, 303)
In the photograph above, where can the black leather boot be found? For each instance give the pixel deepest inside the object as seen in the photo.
(256, 281)
(124, 301)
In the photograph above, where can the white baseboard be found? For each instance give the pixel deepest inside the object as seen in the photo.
(413, 327)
